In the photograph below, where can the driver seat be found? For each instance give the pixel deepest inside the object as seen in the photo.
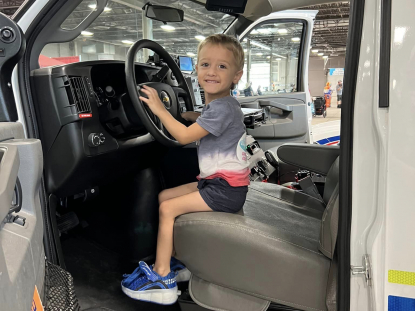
(243, 263)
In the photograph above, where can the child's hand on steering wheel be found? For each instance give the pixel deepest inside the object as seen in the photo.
(153, 101)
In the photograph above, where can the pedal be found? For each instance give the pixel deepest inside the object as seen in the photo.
(67, 221)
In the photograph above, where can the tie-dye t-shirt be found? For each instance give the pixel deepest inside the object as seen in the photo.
(222, 153)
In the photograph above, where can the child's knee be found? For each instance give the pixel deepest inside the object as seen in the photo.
(162, 196)
(164, 209)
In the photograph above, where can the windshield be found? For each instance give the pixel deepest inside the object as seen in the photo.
(122, 23)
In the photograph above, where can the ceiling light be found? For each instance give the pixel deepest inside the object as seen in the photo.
(259, 54)
(94, 6)
(260, 45)
(101, 27)
(268, 57)
(200, 38)
(245, 50)
(127, 41)
(167, 27)
(320, 54)
(87, 33)
(282, 31)
(263, 31)
(190, 54)
(314, 51)
(325, 56)
(278, 59)
(295, 39)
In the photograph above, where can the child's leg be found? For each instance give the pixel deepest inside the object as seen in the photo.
(169, 210)
(175, 192)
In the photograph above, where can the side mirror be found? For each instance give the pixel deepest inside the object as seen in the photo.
(163, 13)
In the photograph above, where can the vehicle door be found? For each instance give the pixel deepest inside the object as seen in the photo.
(276, 77)
(22, 257)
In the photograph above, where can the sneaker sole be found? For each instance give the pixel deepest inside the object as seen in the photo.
(183, 276)
(159, 296)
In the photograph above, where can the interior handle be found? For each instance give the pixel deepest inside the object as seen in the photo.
(17, 205)
(267, 103)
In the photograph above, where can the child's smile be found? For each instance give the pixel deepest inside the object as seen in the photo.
(216, 71)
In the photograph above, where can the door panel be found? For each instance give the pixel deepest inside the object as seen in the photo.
(276, 57)
(22, 258)
(289, 123)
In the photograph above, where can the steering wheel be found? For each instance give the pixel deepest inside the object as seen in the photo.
(169, 95)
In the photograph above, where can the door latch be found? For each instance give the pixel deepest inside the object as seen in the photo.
(365, 269)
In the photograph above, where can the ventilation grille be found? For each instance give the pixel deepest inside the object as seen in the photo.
(202, 95)
(78, 94)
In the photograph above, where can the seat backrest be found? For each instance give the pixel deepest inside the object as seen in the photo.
(332, 179)
(330, 220)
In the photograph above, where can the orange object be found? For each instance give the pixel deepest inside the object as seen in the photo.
(328, 100)
(36, 303)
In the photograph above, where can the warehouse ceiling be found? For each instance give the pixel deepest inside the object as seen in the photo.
(331, 27)
(8, 7)
(122, 21)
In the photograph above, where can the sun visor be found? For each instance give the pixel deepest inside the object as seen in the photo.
(215, 297)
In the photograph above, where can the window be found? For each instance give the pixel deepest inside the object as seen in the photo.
(271, 51)
(121, 24)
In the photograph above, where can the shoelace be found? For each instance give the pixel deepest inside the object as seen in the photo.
(130, 277)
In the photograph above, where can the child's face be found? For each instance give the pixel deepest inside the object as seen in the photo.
(216, 70)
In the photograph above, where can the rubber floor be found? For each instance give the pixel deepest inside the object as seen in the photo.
(97, 274)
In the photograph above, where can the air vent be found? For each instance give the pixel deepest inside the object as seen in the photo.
(77, 94)
(202, 95)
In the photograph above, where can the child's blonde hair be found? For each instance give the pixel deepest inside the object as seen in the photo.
(228, 42)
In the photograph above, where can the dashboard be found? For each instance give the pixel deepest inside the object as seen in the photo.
(88, 125)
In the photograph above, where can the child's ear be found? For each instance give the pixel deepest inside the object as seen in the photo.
(238, 76)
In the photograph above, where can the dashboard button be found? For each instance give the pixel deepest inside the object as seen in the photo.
(94, 140)
(101, 138)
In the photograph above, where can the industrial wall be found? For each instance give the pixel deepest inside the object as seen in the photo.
(317, 73)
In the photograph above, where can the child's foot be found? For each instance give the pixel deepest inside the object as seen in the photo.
(146, 285)
(182, 273)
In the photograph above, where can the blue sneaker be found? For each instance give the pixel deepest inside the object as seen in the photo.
(182, 273)
(146, 285)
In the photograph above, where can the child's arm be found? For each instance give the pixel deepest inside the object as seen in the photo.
(190, 116)
(184, 135)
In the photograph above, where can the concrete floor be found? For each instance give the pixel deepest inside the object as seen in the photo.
(333, 114)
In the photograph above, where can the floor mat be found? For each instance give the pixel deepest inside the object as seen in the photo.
(97, 274)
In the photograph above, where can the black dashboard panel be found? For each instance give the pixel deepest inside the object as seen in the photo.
(89, 130)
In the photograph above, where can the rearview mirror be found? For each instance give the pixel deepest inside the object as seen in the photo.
(164, 13)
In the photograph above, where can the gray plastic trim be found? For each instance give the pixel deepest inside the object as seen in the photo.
(215, 297)
(22, 257)
(9, 166)
(316, 158)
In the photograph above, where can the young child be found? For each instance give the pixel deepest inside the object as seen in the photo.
(224, 171)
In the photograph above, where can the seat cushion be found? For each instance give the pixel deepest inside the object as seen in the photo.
(256, 258)
(285, 209)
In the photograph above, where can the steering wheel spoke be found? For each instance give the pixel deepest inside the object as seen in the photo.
(179, 91)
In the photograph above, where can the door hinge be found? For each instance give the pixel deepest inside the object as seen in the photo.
(365, 269)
